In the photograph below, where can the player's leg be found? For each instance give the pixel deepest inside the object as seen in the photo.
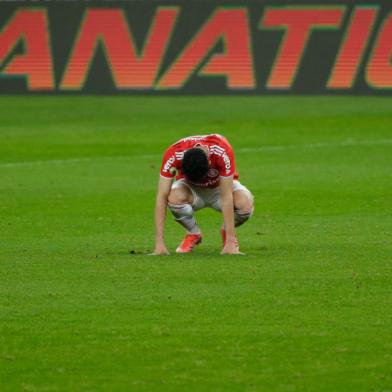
(180, 204)
(243, 206)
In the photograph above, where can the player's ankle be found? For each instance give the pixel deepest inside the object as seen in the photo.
(198, 232)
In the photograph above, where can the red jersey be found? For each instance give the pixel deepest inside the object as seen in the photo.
(221, 159)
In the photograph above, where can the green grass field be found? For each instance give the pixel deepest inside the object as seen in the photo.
(307, 309)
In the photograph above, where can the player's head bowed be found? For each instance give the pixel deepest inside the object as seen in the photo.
(195, 164)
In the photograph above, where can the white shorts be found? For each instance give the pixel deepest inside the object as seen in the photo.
(208, 197)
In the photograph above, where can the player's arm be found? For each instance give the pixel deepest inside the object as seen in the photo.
(227, 204)
(163, 191)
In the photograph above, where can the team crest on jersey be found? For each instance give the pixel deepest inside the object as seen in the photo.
(212, 173)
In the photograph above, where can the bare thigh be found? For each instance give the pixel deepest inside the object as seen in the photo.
(243, 200)
(180, 195)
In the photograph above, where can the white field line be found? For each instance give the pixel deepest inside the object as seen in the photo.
(346, 143)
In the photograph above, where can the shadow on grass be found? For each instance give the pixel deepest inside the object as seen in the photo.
(198, 254)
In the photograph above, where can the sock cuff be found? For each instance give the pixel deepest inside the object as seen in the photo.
(181, 209)
(171, 205)
(244, 213)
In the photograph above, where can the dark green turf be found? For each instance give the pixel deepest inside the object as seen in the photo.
(308, 308)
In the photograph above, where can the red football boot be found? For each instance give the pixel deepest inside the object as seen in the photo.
(188, 243)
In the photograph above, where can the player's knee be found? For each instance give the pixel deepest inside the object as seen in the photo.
(179, 196)
(175, 198)
(243, 207)
(243, 203)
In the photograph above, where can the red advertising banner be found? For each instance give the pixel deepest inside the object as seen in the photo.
(195, 47)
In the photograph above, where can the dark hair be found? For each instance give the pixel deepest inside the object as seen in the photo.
(195, 164)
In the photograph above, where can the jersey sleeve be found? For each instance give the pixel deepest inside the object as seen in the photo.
(168, 163)
(226, 163)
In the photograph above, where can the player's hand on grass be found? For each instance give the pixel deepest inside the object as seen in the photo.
(160, 250)
(231, 248)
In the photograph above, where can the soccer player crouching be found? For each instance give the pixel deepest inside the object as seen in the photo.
(205, 176)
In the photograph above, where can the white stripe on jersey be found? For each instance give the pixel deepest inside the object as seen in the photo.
(217, 151)
(194, 138)
(218, 148)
